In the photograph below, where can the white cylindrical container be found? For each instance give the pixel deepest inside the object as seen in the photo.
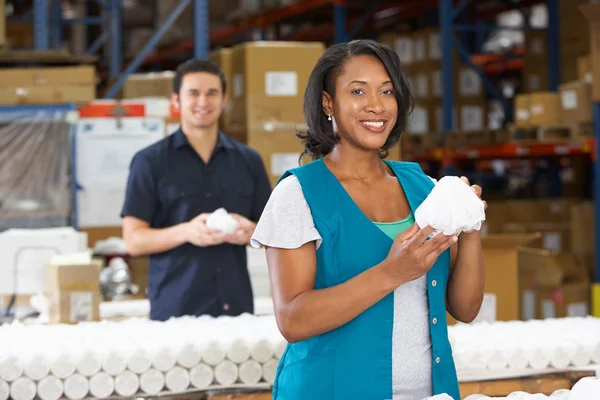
(50, 388)
(102, 385)
(189, 355)
(62, 366)
(11, 368)
(114, 362)
(36, 367)
(177, 379)
(213, 353)
(23, 389)
(238, 351)
(202, 376)
(261, 350)
(76, 387)
(226, 373)
(250, 372)
(163, 359)
(152, 381)
(127, 384)
(89, 363)
(270, 370)
(139, 361)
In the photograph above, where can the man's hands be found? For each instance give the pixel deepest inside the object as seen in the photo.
(199, 235)
(243, 233)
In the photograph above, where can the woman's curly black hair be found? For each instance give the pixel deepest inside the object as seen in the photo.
(320, 139)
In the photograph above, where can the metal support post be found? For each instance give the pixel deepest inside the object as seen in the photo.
(57, 25)
(363, 21)
(596, 285)
(116, 53)
(446, 18)
(553, 42)
(133, 66)
(201, 32)
(40, 24)
(339, 16)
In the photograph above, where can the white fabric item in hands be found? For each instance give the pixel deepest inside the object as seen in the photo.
(451, 207)
(221, 220)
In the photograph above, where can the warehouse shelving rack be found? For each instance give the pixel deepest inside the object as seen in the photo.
(349, 20)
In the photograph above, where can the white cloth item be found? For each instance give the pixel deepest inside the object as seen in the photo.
(451, 207)
(221, 220)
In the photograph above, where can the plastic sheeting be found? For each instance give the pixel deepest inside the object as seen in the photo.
(35, 167)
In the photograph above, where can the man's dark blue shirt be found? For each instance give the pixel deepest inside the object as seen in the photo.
(170, 184)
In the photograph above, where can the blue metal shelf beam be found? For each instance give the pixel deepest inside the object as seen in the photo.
(115, 46)
(597, 188)
(40, 25)
(339, 16)
(201, 29)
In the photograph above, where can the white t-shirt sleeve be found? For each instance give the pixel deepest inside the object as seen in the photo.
(286, 221)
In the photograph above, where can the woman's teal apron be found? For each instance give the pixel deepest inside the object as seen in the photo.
(354, 361)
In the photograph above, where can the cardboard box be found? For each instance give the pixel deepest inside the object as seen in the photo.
(552, 284)
(48, 94)
(545, 109)
(592, 12)
(501, 258)
(73, 292)
(576, 103)
(583, 232)
(279, 151)
(49, 76)
(222, 58)
(522, 110)
(149, 85)
(269, 79)
(584, 69)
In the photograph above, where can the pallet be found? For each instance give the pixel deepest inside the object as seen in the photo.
(554, 133)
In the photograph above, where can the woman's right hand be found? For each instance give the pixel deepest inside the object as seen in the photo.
(412, 255)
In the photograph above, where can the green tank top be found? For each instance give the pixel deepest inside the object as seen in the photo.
(393, 229)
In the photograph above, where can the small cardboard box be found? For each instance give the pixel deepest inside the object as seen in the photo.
(522, 110)
(149, 85)
(222, 58)
(576, 103)
(73, 291)
(592, 12)
(545, 109)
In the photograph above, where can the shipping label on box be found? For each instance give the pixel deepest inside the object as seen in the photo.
(404, 47)
(469, 83)
(281, 162)
(419, 120)
(420, 50)
(435, 46)
(281, 83)
(471, 118)
(422, 91)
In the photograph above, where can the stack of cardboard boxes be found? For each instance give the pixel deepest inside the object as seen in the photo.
(571, 106)
(538, 256)
(420, 54)
(48, 85)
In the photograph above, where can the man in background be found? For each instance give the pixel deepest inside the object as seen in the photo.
(173, 187)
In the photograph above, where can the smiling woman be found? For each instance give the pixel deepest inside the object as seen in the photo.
(358, 290)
